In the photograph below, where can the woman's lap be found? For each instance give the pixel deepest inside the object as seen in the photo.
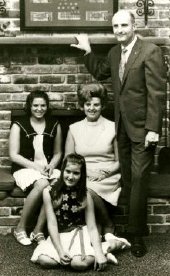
(26, 177)
(109, 188)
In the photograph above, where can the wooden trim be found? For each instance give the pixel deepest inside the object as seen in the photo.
(70, 38)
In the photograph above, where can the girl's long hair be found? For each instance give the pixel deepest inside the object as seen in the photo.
(57, 189)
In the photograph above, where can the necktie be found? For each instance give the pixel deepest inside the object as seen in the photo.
(122, 63)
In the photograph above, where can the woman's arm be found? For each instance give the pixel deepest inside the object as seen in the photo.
(94, 234)
(14, 149)
(70, 144)
(53, 227)
(57, 154)
(116, 164)
(98, 175)
(115, 148)
(115, 167)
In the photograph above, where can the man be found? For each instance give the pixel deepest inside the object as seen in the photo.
(139, 90)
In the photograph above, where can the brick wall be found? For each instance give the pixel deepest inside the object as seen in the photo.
(158, 23)
(58, 69)
(158, 215)
(10, 210)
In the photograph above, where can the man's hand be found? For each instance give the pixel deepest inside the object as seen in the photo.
(82, 43)
(151, 139)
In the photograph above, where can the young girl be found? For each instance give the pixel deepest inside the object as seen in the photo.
(74, 239)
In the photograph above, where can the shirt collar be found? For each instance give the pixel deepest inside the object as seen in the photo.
(130, 45)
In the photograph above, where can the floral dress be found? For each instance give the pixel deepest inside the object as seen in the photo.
(73, 231)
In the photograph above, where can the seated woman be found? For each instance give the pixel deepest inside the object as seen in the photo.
(35, 150)
(94, 138)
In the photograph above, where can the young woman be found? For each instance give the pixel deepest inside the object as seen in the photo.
(35, 150)
(94, 138)
(73, 236)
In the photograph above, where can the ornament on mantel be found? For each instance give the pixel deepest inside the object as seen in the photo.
(7, 29)
(2, 7)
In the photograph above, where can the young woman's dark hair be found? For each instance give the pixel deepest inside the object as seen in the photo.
(92, 90)
(57, 189)
(32, 96)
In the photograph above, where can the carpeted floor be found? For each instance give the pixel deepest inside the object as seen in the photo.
(15, 261)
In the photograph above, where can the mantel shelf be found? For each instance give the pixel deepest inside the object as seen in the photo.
(70, 38)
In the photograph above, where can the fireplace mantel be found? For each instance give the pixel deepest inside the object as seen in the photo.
(70, 38)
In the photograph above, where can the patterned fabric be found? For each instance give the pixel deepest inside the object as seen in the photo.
(69, 215)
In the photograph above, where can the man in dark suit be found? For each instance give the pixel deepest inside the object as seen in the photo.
(138, 77)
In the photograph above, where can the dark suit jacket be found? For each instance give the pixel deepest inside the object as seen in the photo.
(141, 95)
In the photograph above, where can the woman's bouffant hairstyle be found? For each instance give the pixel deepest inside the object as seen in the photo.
(32, 96)
(89, 91)
(57, 189)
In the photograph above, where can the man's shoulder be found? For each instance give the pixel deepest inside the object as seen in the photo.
(115, 47)
(146, 44)
(114, 51)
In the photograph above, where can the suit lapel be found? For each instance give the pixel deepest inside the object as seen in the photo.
(133, 55)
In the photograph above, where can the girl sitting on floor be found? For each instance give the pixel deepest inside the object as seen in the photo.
(73, 236)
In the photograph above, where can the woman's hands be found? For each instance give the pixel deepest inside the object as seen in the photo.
(40, 168)
(44, 170)
(98, 175)
(49, 169)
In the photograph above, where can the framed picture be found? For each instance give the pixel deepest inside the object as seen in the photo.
(67, 15)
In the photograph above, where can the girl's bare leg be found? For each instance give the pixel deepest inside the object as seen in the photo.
(78, 263)
(32, 203)
(46, 261)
